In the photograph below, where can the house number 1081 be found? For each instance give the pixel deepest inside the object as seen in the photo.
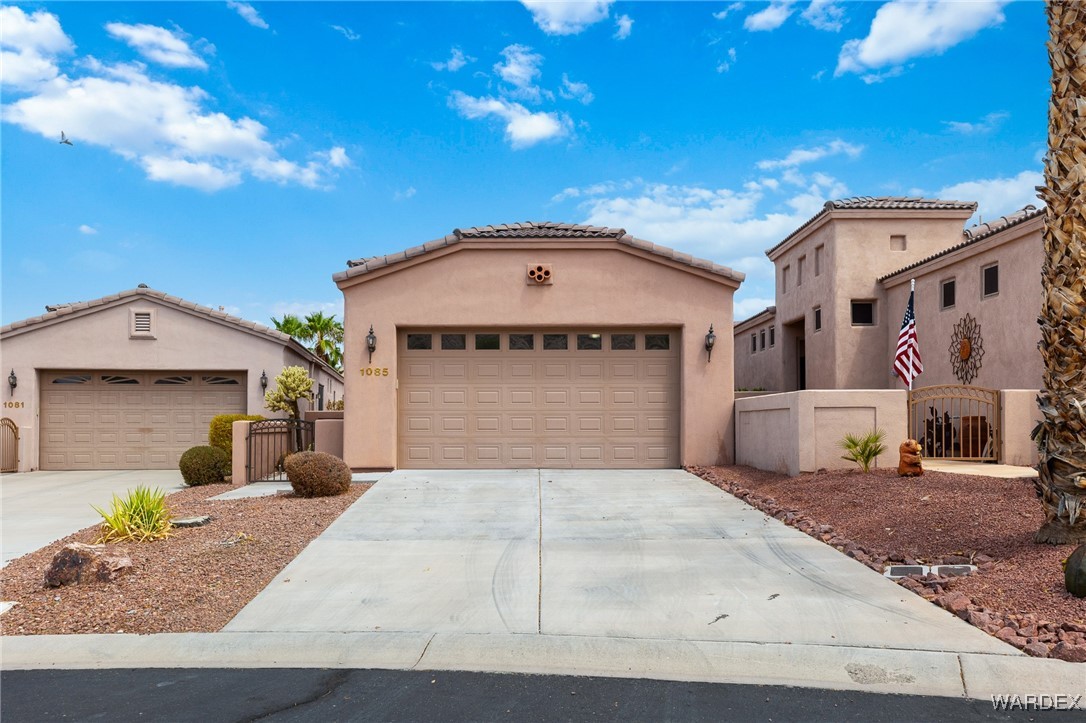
(14, 405)
(374, 372)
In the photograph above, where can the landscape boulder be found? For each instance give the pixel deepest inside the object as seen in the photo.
(77, 563)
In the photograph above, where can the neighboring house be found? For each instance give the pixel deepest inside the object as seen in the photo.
(843, 284)
(537, 345)
(131, 380)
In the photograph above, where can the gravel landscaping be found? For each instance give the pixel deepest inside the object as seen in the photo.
(878, 518)
(194, 581)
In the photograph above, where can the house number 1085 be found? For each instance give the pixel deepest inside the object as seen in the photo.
(374, 372)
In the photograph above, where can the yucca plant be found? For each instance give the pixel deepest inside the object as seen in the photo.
(138, 517)
(863, 449)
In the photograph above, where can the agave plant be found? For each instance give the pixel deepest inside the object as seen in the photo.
(140, 516)
(1061, 434)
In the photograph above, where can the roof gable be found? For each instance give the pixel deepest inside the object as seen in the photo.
(534, 230)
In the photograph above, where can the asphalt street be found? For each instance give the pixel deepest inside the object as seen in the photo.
(312, 695)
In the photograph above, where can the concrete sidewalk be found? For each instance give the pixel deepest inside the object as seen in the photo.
(630, 574)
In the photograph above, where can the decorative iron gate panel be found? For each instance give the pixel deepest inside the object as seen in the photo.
(956, 422)
(270, 442)
(9, 446)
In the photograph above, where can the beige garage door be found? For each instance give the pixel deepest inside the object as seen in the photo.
(131, 420)
(522, 399)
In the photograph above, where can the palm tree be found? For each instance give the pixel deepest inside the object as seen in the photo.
(327, 335)
(1061, 434)
(292, 325)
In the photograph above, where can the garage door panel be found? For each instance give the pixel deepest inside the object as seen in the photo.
(518, 407)
(130, 420)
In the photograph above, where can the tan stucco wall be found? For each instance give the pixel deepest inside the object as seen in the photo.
(760, 369)
(99, 338)
(1008, 321)
(483, 285)
(798, 432)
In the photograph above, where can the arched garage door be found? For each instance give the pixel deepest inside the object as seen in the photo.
(131, 420)
(542, 398)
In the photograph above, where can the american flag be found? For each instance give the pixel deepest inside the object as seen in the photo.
(907, 364)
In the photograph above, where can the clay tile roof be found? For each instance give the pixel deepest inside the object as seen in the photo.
(54, 311)
(530, 229)
(864, 203)
(974, 234)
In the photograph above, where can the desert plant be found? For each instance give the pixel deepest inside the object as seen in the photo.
(336, 406)
(291, 385)
(863, 449)
(140, 516)
(220, 433)
(317, 474)
(204, 466)
(1061, 434)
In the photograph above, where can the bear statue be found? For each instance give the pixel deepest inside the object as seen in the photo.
(909, 462)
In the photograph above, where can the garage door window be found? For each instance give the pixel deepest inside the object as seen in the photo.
(116, 379)
(488, 342)
(219, 380)
(522, 342)
(555, 342)
(454, 342)
(420, 341)
(73, 379)
(657, 342)
(174, 380)
(623, 342)
(589, 342)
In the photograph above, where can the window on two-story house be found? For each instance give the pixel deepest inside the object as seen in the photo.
(784, 279)
(761, 339)
(772, 336)
(818, 318)
(799, 270)
(863, 313)
(753, 343)
(990, 280)
(818, 259)
(947, 290)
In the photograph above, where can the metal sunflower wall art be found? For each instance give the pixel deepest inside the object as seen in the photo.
(966, 349)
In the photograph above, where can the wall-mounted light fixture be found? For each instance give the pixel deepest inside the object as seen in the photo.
(371, 342)
(263, 380)
(710, 341)
(13, 381)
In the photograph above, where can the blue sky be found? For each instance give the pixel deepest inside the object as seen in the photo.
(237, 154)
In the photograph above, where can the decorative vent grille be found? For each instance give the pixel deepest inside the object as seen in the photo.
(540, 274)
(143, 322)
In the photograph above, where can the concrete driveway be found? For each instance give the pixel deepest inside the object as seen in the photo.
(38, 508)
(633, 554)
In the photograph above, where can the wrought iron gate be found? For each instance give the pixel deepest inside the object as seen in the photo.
(953, 421)
(9, 446)
(270, 442)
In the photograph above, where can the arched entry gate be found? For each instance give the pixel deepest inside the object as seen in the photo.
(9, 446)
(953, 421)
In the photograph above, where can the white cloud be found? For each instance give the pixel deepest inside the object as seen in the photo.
(986, 125)
(623, 27)
(824, 15)
(88, 230)
(997, 196)
(771, 17)
(158, 45)
(303, 309)
(405, 194)
(337, 157)
(162, 127)
(727, 11)
(520, 69)
(576, 91)
(905, 29)
(799, 156)
(346, 32)
(455, 62)
(725, 65)
(523, 128)
(567, 18)
(248, 13)
(744, 309)
(29, 47)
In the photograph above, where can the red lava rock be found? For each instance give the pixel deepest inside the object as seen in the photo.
(1037, 650)
(956, 560)
(1070, 653)
(1074, 627)
(956, 602)
(978, 619)
(982, 560)
(77, 562)
(1029, 631)
(1006, 633)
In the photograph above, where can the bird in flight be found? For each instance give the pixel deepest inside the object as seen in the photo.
(64, 139)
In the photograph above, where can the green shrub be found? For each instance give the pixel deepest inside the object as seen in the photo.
(204, 466)
(220, 433)
(139, 517)
(863, 449)
(317, 474)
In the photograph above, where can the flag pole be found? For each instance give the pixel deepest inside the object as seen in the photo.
(912, 347)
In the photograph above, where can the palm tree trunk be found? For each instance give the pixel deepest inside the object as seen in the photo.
(1061, 435)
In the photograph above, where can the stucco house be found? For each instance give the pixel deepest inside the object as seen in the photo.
(843, 285)
(131, 380)
(537, 345)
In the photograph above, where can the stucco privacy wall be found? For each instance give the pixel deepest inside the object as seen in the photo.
(798, 432)
(482, 283)
(759, 367)
(99, 337)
